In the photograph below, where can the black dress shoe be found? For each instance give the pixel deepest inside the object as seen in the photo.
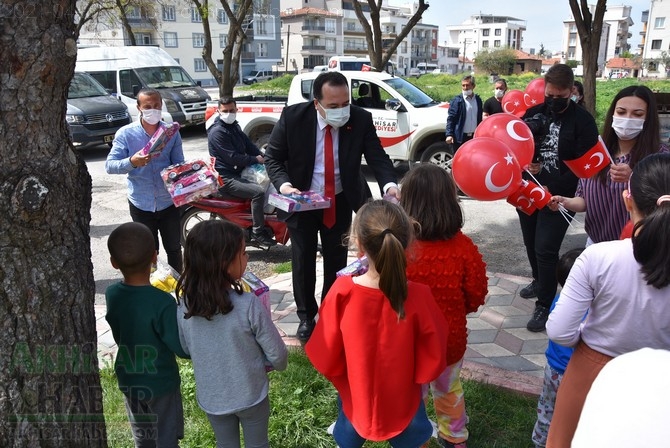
(305, 330)
(529, 291)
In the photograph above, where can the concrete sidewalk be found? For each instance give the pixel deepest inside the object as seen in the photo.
(500, 350)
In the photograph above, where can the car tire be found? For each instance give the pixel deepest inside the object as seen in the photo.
(440, 154)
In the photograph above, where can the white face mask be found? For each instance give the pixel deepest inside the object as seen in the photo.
(336, 117)
(467, 92)
(151, 116)
(627, 128)
(499, 93)
(228, 117)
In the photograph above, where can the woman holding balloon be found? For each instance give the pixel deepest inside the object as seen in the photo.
(630, 132)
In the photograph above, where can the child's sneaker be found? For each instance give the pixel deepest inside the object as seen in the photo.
(331, 428)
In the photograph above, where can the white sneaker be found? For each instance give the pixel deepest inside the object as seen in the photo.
(331, 428)
(434, 425)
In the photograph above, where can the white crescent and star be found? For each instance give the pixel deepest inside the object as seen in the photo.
(512, 133)
(505, 107)
(541, 190)
(493, 187)
(523, 198)
(600, 159)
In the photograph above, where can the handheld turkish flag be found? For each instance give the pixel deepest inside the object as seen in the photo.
(537, 194)
(594, 160)
(366, 68)
(520, 200)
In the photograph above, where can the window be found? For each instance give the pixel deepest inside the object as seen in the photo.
(133, 12)
(170, 40)
(198, 40)
(403, 46)
(330, 26)
(262, 50)
(128, 80)
(659, 22)
(656, 44)
(264, 27)
(330, 45)
(496, 43)
(169, 14)
(223, 40)
(221, 16)
(486, 32)
(498, 32)
(195, 15)
(143, 38)
(199, 65)
(485, 44)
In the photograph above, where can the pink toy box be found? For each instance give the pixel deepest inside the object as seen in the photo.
(191, 180)
(307, 200)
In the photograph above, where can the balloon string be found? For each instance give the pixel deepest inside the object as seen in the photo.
(534, 179)
(567, 217)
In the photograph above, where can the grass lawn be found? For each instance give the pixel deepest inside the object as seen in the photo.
(303, 406)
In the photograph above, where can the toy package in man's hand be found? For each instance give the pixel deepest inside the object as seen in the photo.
(307, 200)
(191, 180)
(251, 283)
(160, 138)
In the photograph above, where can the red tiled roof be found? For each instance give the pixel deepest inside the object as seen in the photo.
(626, 63)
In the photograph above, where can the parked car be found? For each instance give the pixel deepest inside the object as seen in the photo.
(257, 76)
(414, 72)
(93, 115)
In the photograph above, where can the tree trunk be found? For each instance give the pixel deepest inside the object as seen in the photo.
(50, 394)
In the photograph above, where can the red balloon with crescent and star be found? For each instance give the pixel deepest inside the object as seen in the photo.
(513, 103)
(512, 131)
(485, 168)
(534, 93)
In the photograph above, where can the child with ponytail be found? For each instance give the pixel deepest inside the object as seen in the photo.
(380, 337)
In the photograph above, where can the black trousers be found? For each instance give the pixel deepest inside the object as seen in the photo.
(304, 228)
(543, 234)
(242, 188)
(167, 221)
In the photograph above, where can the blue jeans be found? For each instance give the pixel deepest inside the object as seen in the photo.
(416, 434)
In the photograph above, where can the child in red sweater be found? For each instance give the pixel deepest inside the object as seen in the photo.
(379, 338)
(443, 258)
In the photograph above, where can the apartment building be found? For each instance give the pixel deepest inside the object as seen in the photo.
(310, 25)
(613, 39)
(177, 28)
(485, 32)
(655, 44)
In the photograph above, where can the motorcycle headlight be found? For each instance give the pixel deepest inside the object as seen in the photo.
(74, 119)
(171, 106)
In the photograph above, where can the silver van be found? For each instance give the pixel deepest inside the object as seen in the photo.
(93, 115)
(258, 76)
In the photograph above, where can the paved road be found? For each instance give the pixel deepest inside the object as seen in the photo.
(492, 225)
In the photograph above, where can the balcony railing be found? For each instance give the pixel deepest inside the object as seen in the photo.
(321, 29)
(313, 48)
(248, 57)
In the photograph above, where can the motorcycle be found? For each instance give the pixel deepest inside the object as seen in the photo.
(235, 210)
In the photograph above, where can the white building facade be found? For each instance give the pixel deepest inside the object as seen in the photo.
(613, 39)
(656, 40)
(486, 32)
(177, 28)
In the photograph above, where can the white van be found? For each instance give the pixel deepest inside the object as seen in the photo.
(427, 67)
(123, 71)
(354, 63)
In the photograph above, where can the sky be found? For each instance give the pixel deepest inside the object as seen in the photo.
(544, 18)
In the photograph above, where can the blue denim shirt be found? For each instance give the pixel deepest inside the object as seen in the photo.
(146, 189)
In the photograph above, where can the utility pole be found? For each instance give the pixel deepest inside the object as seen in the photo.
(463, 63)
(288, 39)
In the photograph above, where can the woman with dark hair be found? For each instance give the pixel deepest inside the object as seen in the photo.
(630, 132)
(623, 285)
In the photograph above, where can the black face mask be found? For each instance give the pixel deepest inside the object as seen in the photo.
(556, 105)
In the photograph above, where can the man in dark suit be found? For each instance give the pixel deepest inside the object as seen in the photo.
(296, 160)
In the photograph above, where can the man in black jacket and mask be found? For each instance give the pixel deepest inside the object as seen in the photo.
(570, 132)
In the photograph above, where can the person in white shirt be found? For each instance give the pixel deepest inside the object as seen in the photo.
(624, 287)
